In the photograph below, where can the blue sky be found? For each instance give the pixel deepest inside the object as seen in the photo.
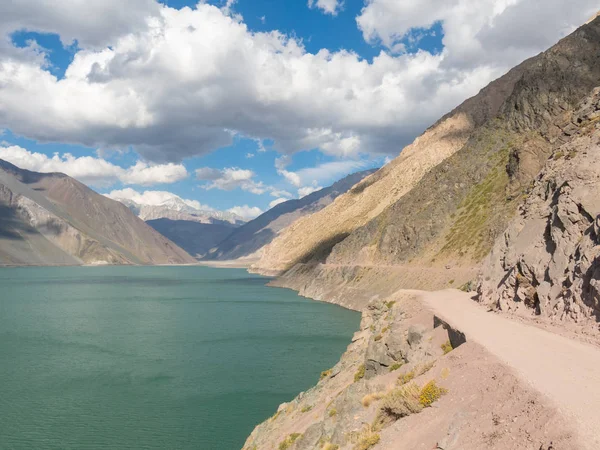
(239, 104)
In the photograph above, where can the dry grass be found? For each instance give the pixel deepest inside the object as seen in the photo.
(402, 401)
(332, 412)
(306, 408)
(446, 347)
(367, 438)
(360, 373)
(289, 441)
(325, 374)
(395, 366)
(330, 446)
(370, 398)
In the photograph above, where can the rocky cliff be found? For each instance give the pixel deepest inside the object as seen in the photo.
(441, 204)
(547, 262)
(52, 219)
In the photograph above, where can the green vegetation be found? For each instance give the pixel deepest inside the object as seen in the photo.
(395, 366)
(325, 374)
(289, 441)
(406, 377)
(430, 393)
(306, 408)
(378, 337)
(469, 286)
(390, 304)
(485, 205)
(446, 347)
(332, 412)
(360, 373)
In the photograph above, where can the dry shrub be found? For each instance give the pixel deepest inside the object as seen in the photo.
(446, 347)
(367, 438)
(289, 441)
(360, 373)
(402, 401)
(430, 393)
(370, 398)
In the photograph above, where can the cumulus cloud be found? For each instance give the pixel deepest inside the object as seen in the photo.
(277, 201)
(246, 212)
(303, 192)
(229, 179)
(145, 91)
(310, 177)
(327, 6)
(154, 198)
(134, 84)
(492, 33)
(94, 171)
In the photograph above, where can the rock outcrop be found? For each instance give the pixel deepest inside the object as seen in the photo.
(52, 219)
(547, 263)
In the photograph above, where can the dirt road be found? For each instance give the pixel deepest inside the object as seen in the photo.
(566, 371)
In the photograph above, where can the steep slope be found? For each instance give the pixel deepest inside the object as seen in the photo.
(446, 213)
(194, 237)
(547, 263)
(247, 240)
(54, 219)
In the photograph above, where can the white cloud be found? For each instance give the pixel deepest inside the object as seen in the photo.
(94, 171)
(135, 84)
(154, 198)
(310, 177)
(327, 6)
(229, 179)
(249, 155)
(280, 193)
(303, 192)
(277, 201)
(246, 212)
(495, 33)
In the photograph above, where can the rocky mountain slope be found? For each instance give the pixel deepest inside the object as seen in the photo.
(442, 203)
(513, 199)
(401, 385)
(547, 263)
(194, 237)
(52, 219)
(248, 239)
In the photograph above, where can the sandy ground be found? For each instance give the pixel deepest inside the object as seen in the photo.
(566, 371)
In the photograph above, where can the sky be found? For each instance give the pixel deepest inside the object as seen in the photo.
(239, 105)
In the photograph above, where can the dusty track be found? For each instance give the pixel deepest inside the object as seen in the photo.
(566, 371)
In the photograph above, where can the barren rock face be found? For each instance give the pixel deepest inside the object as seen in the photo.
(548, 261)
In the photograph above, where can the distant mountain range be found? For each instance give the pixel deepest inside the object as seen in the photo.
(177, 209)
(247, 240)
(53, 219)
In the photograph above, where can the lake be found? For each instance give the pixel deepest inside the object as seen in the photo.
(154, 357)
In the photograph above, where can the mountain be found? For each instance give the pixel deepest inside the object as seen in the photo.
(247, 240)
(194, 237)
(177, 209)
(430, 216)
(52, 219)
(502, 197)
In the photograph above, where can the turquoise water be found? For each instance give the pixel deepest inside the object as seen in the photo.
(154, 357)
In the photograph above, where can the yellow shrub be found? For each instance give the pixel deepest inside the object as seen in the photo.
(370, 398)
(367, 438)
(325, 374)
(446, 347)
(430, 393)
